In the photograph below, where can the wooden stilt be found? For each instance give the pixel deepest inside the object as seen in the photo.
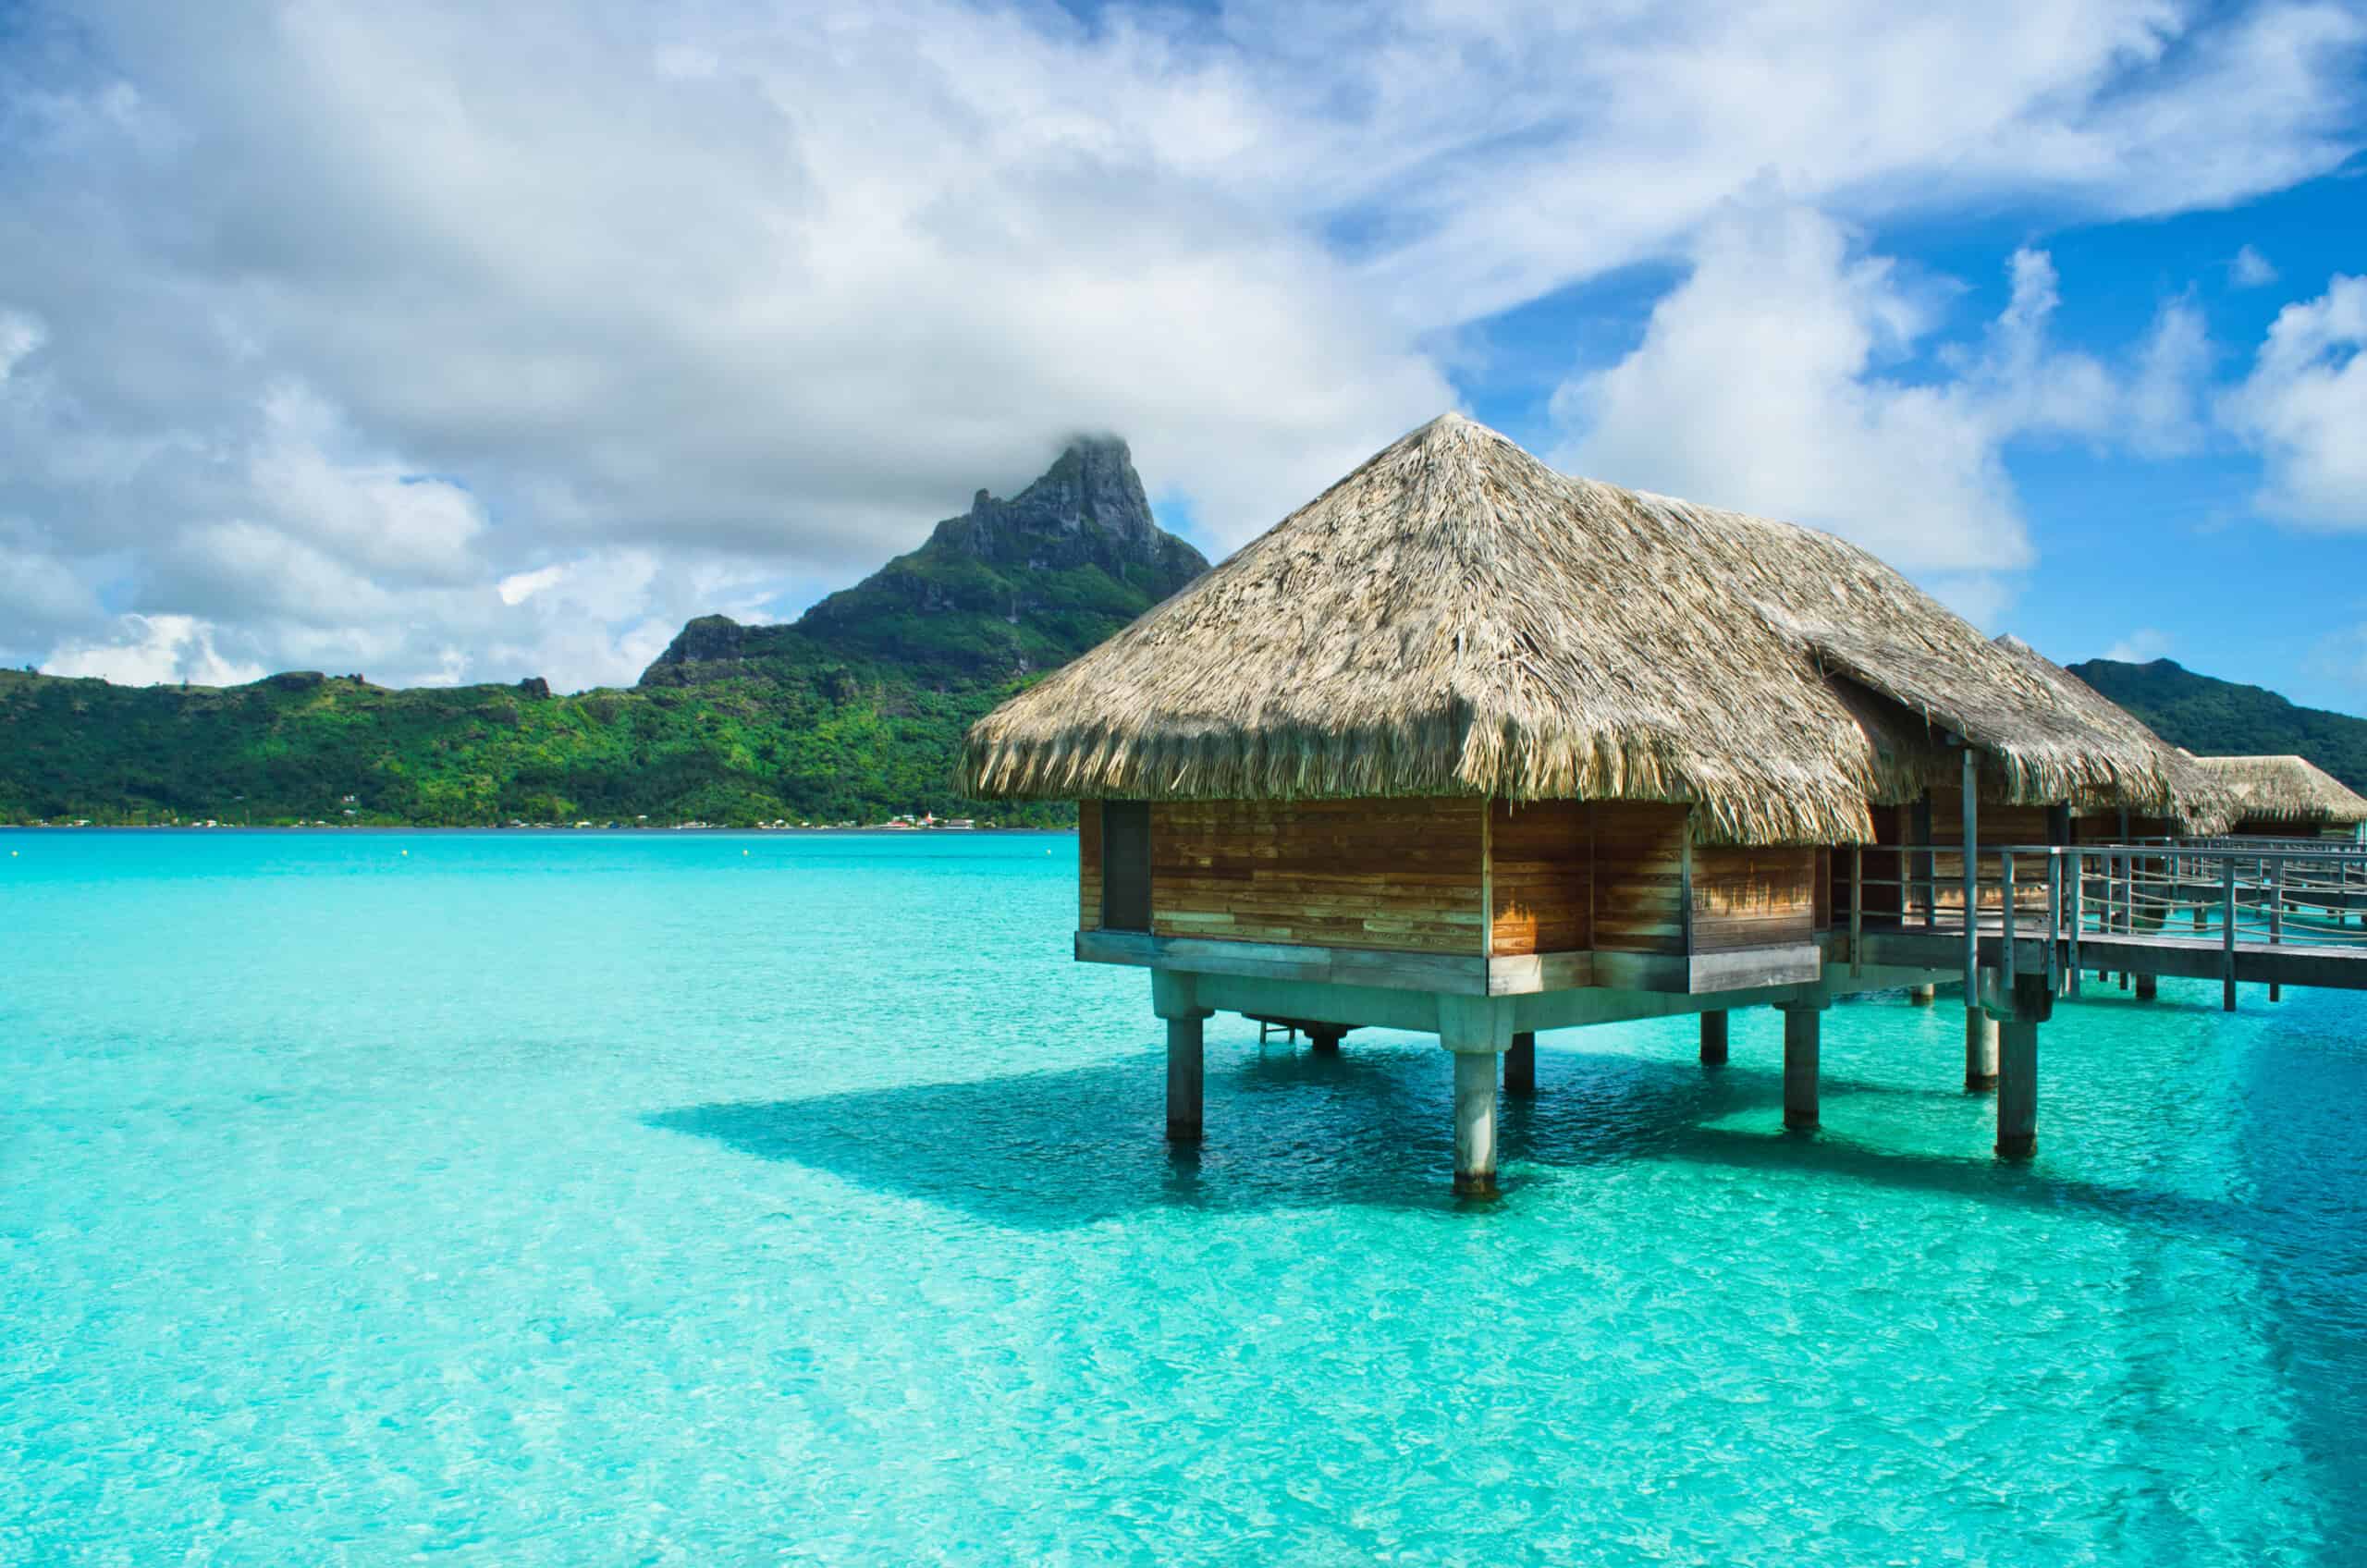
(1803, 1039)
(1713, 1038)
(2018, 1089)
(2148, 987)
(1325, 1042)
(1475, 1124)
(1520, 1065)
(2019, 1012)
(1172, 998)
(1922, 996)
(1183, 1065)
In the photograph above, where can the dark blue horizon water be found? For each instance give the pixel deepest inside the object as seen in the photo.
(719, 1198)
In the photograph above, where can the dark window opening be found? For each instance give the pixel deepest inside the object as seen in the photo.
(1125, 866)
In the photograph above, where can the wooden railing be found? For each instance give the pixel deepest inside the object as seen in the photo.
(2255, 892)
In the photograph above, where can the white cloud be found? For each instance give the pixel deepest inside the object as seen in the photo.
(1862, 109)
(1763, 382)
(20, 335)
(368, 511)
(2163, 414)
(152, 649)
(358, 317)
(2140, 646)
(2304, 407)
(2250, 269)
(521, 586)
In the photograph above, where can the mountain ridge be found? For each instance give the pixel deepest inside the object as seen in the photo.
(854, 711)
(2213, 717)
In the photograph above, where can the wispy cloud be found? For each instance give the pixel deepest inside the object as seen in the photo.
(2250, 269)
(2140, 646)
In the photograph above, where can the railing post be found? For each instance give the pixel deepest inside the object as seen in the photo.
(2005, 883)
(1970, 820)
(2228, 943)
(2078, 912)
(2275, 917)
(2053, 920)
(1857, 909)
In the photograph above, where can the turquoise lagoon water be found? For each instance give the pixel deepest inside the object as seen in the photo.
(717, 1199)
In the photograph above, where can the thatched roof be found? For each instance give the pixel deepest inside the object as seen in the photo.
(2285, 790)
(1457, 619)
(2199, 801)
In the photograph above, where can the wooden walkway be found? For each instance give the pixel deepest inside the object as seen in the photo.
(2280, 914)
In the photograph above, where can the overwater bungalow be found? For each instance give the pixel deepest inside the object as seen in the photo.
(2288, 798)
(1471, 747)
(2196, 804)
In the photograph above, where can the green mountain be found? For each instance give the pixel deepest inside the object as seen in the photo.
(851, 713)
(2213, 718)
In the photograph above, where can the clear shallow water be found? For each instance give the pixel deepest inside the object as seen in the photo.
(635, 1199)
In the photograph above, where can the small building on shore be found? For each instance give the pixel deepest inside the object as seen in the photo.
(2288, 798)
(1468, 746)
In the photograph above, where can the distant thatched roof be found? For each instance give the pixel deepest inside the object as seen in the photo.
(2199, 801)
(1456, 618)
(2285, 790)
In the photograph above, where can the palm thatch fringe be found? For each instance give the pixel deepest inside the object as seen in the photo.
(2285, 790)
(2197, 802)
(1454, 618)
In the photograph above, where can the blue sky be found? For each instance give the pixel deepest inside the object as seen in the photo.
(450, 345)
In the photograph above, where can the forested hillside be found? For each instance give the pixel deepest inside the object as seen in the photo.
(2213, 717)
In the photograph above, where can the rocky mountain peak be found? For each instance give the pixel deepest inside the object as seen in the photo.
(1091, 485)
(1008, 587)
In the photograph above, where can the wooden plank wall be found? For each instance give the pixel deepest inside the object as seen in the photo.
(1639, 877)
(1088, 865)
(1996, 825)
(1403, 876)
(1752, 898)
(1540, 878)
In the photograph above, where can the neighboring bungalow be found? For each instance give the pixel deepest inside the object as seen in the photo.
(2287, 798)
(2198, 803)
(1469, 746)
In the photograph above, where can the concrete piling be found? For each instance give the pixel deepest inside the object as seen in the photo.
(1980, 1051)
(1475, 1124)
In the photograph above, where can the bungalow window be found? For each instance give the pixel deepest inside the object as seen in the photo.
(1125, 866)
